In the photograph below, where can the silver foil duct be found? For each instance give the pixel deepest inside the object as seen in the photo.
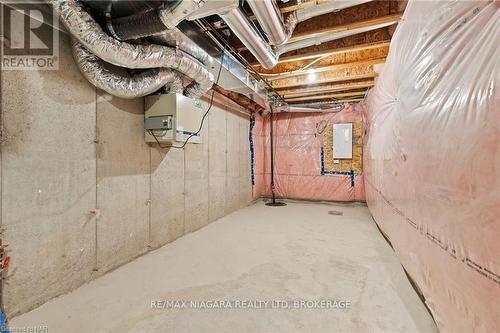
(175, 38)
(84, 29)
(152, 22)
(245, 30)
(270, 19)
(123, 85)
(173, 16)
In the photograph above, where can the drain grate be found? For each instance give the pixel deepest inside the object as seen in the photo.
(335, 212)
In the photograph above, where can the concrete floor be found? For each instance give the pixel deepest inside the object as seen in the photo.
(259, 253)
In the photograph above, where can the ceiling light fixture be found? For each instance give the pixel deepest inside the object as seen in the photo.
(312, 75)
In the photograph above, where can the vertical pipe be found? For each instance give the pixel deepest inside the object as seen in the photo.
(272, 158)
(273, 193)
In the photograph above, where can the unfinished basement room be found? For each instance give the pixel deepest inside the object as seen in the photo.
(250, 166)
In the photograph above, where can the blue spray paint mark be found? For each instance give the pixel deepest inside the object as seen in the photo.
(324, 172)
(252, 151)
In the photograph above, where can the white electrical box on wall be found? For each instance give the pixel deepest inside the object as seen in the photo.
(172, 117)
(342, 141)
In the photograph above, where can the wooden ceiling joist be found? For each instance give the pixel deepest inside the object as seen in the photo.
(340, 101)
(327, 96)
(345, 27)
(304, 92)
(331, 52)
(326, 79)
(336, 67)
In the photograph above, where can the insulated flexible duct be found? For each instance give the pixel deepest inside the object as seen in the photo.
(155, 21)
(86, 31)
(137, 25)
(175, 38)
(123, 85)
(120, 8)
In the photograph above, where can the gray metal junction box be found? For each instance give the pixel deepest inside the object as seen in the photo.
(172, 118)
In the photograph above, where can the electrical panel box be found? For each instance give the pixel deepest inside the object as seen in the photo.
(342, 141)
(172, 118)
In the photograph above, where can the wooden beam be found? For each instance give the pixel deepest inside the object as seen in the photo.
(345, 27)
(323, 69)
(335, 73)
(331, 52)
(326, 79)
(340, 101)
(303, 92)
(327, 96)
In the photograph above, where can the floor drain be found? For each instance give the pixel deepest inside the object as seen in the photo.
(335, 212)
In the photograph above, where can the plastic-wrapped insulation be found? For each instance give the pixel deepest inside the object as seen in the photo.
(123, 85)
(432, 158)
(175, 38)
(83, 27)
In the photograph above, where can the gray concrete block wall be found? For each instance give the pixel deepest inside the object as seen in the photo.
(48, 182)
(81, 191)
(123, 180)
(245, 176)
(196, 184)
(167, 189)
(217, 163)
(232, 163)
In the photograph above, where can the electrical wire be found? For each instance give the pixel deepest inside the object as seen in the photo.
(202, 119)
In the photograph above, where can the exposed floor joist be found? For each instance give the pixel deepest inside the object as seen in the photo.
(318, 70)
(331, 52)
(340, 28)
(339, 101)
(336, 73)
(305, 91)
(339, 69)
(345, 27)
(326, 79)
(326, 96)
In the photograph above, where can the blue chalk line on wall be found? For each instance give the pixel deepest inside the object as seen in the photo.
(250, 138)
(324, 172)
